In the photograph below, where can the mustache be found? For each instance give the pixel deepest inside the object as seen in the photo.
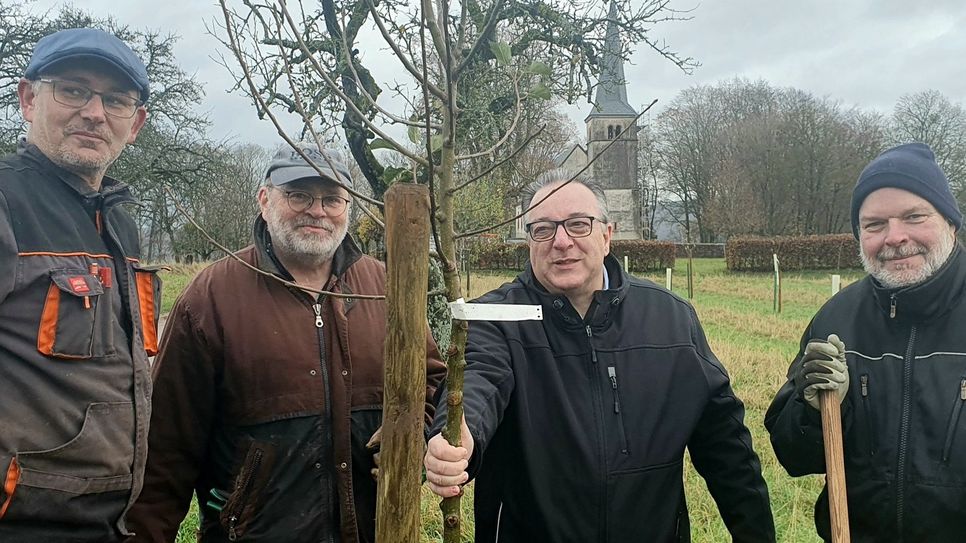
(89, 129)
(889, 253)
(321, 223)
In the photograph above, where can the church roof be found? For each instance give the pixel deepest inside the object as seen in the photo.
(610, 99)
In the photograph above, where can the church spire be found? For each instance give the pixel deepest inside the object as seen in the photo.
(611, 96)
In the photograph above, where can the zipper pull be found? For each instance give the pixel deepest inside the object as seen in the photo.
(892, 306)
(232, 535)
(962, 390)
(587, 329)
(612, 373)
(318, 315)
(865, 385)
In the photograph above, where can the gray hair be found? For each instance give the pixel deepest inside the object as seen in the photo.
(559, 176)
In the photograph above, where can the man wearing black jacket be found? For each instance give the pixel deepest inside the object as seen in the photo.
(575, 426)
(891, 348)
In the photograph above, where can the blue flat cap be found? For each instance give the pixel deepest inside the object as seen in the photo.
(90, 43)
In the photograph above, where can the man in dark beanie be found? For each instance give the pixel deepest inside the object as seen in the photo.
(902, 378)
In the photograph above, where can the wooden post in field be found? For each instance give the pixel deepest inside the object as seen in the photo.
(834, 466)
(667, 278)
(836, 284)
(407, 268)
(777, 293)
(626, 267)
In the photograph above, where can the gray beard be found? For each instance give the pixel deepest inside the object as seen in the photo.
(304, 251)
(934, 259)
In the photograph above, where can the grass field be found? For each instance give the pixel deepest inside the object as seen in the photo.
(755, 344)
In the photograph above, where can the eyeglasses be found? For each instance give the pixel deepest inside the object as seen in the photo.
(576, 227)
(300, 201)
(116, 104)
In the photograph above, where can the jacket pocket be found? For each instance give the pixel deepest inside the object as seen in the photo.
(76, 320)
(148, 285)
(97, 460)
(953, 424)
(657, 489)
(243, 502)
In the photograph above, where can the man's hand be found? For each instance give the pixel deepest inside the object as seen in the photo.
(373, 445)
(823, 368)
(446, 465)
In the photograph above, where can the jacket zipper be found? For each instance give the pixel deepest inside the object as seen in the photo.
(867, 408)
(954, 420)
(601, 438)
(904, 432)
(243, 488)
(892, 306)
(612, 373)
(330, 500)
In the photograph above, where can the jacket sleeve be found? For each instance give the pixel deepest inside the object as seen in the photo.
(487, 385)
(182, 410)
(8, 251)
(795, 427)
(722, 453)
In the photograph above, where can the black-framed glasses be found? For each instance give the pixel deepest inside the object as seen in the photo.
(300, 201)
(69, 93)
(576, 227)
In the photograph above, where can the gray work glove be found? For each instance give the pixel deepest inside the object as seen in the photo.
(824, 368)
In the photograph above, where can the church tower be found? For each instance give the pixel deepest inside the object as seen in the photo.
(616, 170)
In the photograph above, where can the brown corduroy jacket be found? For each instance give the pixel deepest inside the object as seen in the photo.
(264, 410)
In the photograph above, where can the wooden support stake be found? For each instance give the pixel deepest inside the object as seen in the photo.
(777, 299)
(407, 269)
(667, 278)
(836, 284)
(627, 268)
(834, 466)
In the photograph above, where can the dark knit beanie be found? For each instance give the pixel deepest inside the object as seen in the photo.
(911, 167)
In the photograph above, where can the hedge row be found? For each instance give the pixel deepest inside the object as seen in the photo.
(488, 254)
(700, 250)
(835, 251)
(644, 255)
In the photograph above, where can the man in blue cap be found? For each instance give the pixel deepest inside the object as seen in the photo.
(891, 349)
(77, 312)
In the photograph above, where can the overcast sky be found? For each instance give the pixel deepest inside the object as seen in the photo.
(862, 52)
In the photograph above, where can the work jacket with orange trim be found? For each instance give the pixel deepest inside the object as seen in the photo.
(77, 314)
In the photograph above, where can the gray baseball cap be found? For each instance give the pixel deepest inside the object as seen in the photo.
(75, 43)
(288, 165)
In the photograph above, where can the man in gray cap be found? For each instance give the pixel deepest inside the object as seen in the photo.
(267, 394)
(77, 311)
(891, 348)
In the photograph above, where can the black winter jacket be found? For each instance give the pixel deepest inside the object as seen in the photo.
(580, 426)
(904, 429)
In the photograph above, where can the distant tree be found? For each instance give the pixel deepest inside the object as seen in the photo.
(932, 118)
(747, 158)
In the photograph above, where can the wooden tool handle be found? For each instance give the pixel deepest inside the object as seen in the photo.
(834, 465)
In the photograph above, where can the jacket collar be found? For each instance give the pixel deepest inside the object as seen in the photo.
(345, 256)
(930, 299)
(599, 314)
(112, 190)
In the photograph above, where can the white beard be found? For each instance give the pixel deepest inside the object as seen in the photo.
(308, 250)
(934, 259)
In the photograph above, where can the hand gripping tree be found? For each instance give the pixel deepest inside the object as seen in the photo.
(475, 78)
